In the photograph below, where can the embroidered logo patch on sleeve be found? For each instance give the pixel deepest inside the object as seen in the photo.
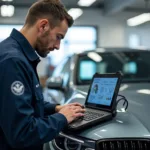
(17, 88)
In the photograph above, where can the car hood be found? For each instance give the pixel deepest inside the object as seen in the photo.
(133, 123)
(124, 125)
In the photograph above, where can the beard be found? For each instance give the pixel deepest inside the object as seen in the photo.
(41, 46)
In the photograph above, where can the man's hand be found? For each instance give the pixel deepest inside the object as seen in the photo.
(59, 107)
(71, 111)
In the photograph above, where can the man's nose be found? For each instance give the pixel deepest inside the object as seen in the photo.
(57, 45)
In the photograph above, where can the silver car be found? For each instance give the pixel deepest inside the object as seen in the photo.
(129, 130)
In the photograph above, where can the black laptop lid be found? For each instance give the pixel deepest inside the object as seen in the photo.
(103, 91)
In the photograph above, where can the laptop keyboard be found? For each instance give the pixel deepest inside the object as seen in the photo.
(91, 115)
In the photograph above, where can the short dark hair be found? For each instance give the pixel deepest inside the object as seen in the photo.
(53, 10)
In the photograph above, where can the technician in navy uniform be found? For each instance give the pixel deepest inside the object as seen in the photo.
(26, 121)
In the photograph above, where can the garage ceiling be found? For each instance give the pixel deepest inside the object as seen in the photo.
(109, 6)
(68, 3)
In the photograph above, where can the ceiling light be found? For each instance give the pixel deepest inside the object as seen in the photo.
(94, 56)
(138, 19)
(75, 12)
(7, 0)
(7, 10)
(86, 2)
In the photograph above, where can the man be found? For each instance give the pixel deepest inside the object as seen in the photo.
(26, 121)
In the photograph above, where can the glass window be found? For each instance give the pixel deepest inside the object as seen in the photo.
(130, 67)
(86, 75)
(5, 30)
(63, 67)
(78, 34)
(63, 70)
(134, 65)
(134, 41)
(79, 47)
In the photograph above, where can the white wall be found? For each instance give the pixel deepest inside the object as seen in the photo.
(142, 31)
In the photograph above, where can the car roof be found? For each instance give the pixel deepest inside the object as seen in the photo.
(112, 49)
(107, 50)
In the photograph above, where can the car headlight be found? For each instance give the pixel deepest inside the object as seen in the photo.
(71, 145)
(58, 143)
(62, 143)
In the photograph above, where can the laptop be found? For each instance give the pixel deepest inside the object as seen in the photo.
(100, 102)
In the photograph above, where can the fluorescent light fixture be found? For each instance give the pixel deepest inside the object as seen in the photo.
(7, 0)
(94, 56)
(86, 2)
(75, 12)
(7, 10)
(138, 19)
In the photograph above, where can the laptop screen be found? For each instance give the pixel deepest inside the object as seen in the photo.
(102, 91)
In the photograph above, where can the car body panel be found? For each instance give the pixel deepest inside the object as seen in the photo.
(134, 123)
(124, 125)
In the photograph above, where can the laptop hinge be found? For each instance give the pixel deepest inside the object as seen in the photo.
(103, 109)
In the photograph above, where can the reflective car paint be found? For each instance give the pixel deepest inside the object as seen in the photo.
(131, 124)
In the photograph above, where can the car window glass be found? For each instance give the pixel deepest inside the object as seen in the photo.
(60, 68)
(130, 68)
(91, 65)
(134, 65)
(66, 68)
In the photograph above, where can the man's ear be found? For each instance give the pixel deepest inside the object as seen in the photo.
(43, 25)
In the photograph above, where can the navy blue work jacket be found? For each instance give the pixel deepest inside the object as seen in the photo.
(26, 121)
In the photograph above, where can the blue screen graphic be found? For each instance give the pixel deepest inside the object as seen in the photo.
(102, 91)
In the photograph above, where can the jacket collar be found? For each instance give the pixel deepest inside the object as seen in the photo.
(25, 45)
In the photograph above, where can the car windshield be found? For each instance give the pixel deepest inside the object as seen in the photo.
(134, 65)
